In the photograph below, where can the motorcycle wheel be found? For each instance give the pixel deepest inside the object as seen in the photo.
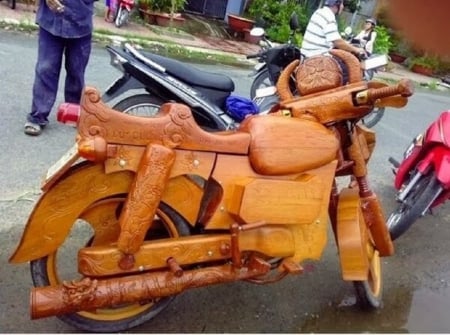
(368, 74)
(98, 225)
(369, 292)
(122, 17)
(352, 228)
(262, 80)
(147, 105)
(374, 117)
(139, 105)
(416, 202)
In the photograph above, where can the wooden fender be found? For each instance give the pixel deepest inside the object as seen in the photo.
(352, 237)
(85, 183)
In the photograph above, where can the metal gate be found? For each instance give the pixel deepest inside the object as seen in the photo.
(212, 8)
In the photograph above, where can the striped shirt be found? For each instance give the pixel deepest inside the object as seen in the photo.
(320, 33)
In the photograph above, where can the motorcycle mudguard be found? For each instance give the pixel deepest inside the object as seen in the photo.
(84, 184)
(406, 166)
(120, 86)
(352, 237)
(439, 157)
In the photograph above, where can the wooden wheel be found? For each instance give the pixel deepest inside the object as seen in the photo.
(97, 225)
(360, 261)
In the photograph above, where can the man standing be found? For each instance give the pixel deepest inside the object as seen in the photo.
(65, 28)
(322, 33)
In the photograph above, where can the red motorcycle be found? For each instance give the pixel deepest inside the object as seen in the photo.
(423, 177)
(123, 11)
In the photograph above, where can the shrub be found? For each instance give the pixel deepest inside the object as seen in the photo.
(425, 61)
(383, 43)
(276, 16)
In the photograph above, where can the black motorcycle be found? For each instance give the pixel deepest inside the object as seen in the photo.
(273, 59)
(168, 80)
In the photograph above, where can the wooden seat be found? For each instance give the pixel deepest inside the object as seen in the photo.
(174, 127)
(282, 145)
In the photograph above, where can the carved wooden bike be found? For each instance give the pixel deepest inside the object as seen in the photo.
(172, 207)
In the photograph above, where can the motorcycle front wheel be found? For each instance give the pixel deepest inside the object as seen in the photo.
(262, 80)
(419, 198)
(122, 17)
(357, 247)
(369, 292)
(98, 225)
(374, 117)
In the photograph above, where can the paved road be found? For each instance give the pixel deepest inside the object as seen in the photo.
(416, 291)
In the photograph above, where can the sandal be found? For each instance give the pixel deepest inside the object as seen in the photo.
(32, 129)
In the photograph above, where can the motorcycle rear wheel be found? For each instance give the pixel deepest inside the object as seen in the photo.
(374, 117)
(415, 203)
(140, 105)
(147, 105)
(89, 229)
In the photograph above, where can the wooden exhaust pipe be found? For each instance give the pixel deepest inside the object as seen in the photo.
(88, 294)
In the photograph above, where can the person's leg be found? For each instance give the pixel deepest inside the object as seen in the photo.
(76, 54)
(108, 10)
(47, 70)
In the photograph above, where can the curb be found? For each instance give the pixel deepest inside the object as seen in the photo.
(169, 49)
(162, 47)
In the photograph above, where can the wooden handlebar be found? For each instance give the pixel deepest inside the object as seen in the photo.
(405, 88)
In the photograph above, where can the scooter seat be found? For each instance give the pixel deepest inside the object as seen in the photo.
(192, 75)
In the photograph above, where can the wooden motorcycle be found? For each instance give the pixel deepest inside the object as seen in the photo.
(171, 207)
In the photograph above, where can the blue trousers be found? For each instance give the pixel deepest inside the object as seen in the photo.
(51, 49)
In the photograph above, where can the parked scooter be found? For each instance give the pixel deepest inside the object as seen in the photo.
(159, 205)
(422, 178)
(166, 79)
(370, 66)
(273, 59)
(372, 63)
(123, 11)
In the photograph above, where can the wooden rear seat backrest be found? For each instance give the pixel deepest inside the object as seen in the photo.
(319, 73)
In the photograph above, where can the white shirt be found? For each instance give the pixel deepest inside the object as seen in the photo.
(321, 32)
(367, 44)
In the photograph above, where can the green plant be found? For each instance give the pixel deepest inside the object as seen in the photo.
(352, 5)
(168, 6)
(430, 62)
(145, 3)
(383, 42)
(433, 85)
(276, 15)
(400, 46)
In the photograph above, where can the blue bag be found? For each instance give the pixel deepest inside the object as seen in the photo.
(238, 107)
